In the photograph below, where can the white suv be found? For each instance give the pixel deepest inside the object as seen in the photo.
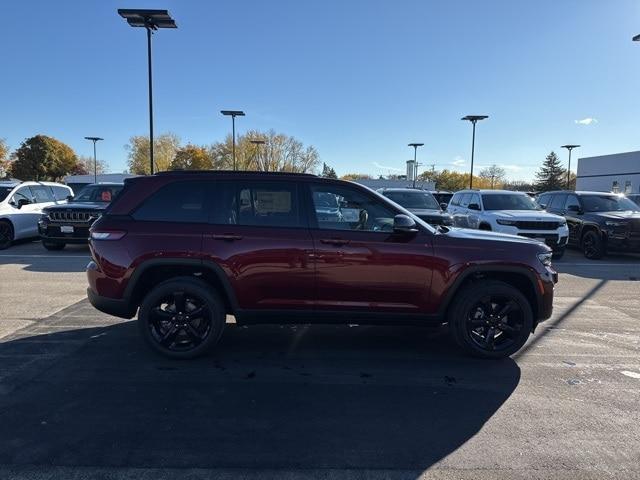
(504, 211)
(21, 205)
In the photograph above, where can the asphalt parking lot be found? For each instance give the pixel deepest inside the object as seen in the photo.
(82, 397)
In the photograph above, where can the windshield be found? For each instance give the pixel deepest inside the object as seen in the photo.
(607, 203)
(414, 200)
(98, 193)
(509, 201)
(4, 191)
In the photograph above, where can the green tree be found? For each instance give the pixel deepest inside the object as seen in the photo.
(165, 147)
(493, 174)
(356, 176)
(551, 175)
(328, 172)
(43, 158)
(192, 157)
(279, 153)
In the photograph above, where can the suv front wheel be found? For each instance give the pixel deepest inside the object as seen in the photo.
(490, 319)
(182, 317)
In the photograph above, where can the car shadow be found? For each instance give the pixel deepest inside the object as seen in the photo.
(35, 258)
(269, 397)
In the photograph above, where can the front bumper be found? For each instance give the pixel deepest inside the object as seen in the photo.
(556, 239)
(52, 232)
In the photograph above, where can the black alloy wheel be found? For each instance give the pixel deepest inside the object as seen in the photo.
(592, 245)
(490, 319)
(6, 235)
(181, 318)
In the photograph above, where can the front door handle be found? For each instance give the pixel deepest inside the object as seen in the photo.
(228, 237)
(338, 242)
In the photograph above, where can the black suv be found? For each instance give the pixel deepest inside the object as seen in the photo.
(419, 202)
(70, 222)
(598, 221)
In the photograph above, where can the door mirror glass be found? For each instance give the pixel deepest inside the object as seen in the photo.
(404, 224)
(22, 202)
(473, 206)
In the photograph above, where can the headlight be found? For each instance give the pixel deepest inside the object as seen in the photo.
(615, 224)
(511, 223)
(545, 258)
(562, 223)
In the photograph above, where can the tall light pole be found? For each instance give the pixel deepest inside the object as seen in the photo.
(473, 119)
(95, 159)
(569, 147)
(150, 20)
(233, 114)
(257, 143)
(415, 163)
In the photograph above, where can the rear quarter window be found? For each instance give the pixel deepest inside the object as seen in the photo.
(183, 202)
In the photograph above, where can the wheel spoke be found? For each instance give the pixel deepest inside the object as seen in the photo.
(169, 337)
(490, 337)
(505, 327)
(196, 313)
(193, 334)
(509, 306)
(180, 301)
(159, 315)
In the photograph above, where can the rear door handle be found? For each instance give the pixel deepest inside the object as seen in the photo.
(228, 237)
(338, 242)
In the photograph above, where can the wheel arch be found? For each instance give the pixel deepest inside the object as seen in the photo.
(521, 278)
(154, 271)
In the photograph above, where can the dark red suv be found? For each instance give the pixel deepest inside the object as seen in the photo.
(184, 249)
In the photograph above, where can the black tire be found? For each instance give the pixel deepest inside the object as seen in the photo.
(558, 254)
(180, 332)
(53, 246)
(477, 315)
(592, 245)
(6, 234)
(485, 226)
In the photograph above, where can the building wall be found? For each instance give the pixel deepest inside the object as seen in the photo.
(607, 173)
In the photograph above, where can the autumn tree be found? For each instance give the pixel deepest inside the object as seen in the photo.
(165, 147)
(494, 173)
(279, 153)
(4, 158)
(43, 158)
(551, 175)
(356, 176)
(192, 157)
(85, 166)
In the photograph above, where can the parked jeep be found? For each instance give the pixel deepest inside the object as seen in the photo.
(184, 249)
(598, 222)
(69, 223)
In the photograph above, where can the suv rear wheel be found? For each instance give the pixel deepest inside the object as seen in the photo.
(182, 317)
(490, 320)
(6, 234)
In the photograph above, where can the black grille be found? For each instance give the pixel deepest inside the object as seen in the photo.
(533, 225)
(63, 216)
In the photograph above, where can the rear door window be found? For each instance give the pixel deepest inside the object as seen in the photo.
(182, 202)
(41, 193)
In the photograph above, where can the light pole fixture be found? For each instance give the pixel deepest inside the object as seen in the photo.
(415, 163)
(473, 119)
(233, 114)
(569, 147)
(257, 143)
(95, 160)
(636, 38)
(150, 20)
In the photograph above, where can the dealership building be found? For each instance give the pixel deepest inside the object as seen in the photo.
(619, 173)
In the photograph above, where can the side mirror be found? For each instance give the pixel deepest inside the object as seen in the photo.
(22, 202)
(474, 206)
(444, 206)
(543, 206)
(69, 198)
(574, 209)
(404, 224)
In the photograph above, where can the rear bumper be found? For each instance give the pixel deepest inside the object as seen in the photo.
(112, 306)
(546, 285)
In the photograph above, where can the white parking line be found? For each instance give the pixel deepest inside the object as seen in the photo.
(560, 265)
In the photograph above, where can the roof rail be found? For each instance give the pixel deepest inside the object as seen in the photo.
(233, 172)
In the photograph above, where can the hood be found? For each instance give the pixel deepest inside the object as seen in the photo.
(530, 215)
(427, 212)
(626, 215)
(78, 206)
(471, 234)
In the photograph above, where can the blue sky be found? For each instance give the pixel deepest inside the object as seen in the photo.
(357, 79)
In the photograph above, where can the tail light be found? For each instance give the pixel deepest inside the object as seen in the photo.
(107, 235)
